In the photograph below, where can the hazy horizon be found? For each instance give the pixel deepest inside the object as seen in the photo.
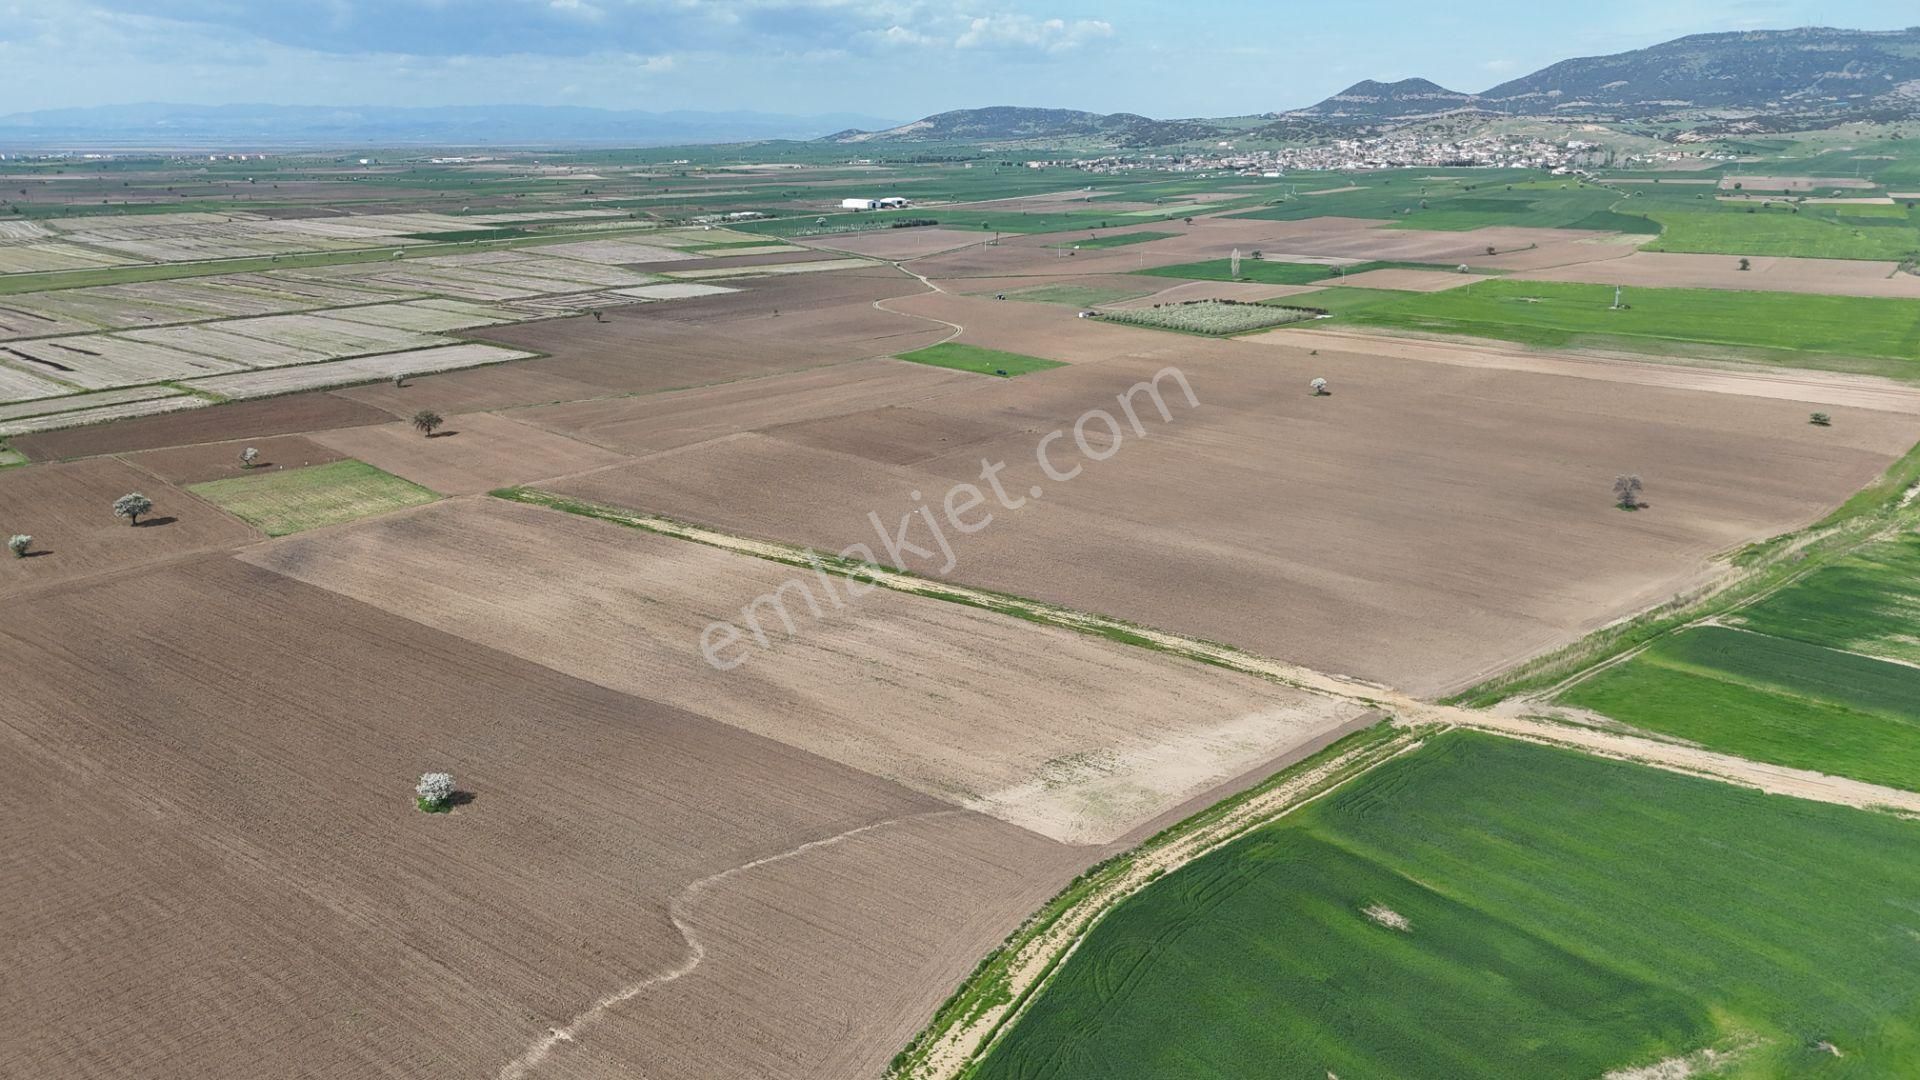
(893, 58)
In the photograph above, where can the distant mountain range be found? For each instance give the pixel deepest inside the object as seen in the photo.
(243, 126)
(1807, 77)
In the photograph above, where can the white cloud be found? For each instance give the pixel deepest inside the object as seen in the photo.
(1029, 32)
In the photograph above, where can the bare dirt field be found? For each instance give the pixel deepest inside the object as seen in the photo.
(663, 421)
(1658, 269)
(68, 510)
(1792, 183)
(1064, 734)
(242, 853)
(251, 419)
(473, 452)
(218, 461)
(1420, 527)
(1407, 280)
(897, 243)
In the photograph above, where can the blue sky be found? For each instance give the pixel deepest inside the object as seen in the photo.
(893, 58)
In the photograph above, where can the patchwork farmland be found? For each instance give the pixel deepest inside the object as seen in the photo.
(1014, 646)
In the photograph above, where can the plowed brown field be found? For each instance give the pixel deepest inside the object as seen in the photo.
(228, 878)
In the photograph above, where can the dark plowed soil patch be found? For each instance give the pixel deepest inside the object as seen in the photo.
(241, 420)
(218, 812)
(68, 510)
(217, 461)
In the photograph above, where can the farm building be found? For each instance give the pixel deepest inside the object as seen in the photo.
(891, 202)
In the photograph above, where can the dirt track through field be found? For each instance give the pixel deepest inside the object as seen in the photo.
(1405, 709)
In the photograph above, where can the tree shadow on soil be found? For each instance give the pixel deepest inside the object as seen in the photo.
(443, 434)
(155, 523)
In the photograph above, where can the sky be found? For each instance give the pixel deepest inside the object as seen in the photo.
(898, 59)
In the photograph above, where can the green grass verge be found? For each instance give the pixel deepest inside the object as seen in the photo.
(1080, 296)
(1873, 334)
(294, 500)
(1729, 230)
(1769, 699)
(1564, 916)
(983, 361)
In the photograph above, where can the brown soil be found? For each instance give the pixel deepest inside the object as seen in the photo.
(217, 461)
(220, 817)
(68, 510)
(474, 452)
(1421, 526)
(1843, 277)
(898, 243)
(666, 420)
(240, 420)
(1061, 733)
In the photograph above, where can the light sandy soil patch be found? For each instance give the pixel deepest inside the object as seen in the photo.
(1070, 736)
(1659, 269)
(1334, 190)
(17, 385)
(898, 243)
(213, 341)
(101, 414)
(327, 336)
(1424, 525)
(1792, 183)
(593, 816)
(1883, 200)
(68, 510)
(102, 361)
(474, 452)
(432, 317)
(359, 369)
(666, 420)
(616, 252)
(815, 267)
(43, 406)
(1407, 280)
(673, 290)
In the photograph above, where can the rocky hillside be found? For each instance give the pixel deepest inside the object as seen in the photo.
(1371, 102)
(1013, 124)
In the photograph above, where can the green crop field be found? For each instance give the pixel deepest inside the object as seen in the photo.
(1868, 602)
(1080, 296)
(1416, 200)
(1769, 699)
(1730, 230)
(294, 500)
(976, 359)
(1492, 909)
(1867, 334)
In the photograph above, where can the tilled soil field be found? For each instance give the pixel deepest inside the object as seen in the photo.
(1423, 525)
(68, 510)
(229, 878)
(242, 420)
(473, 452)
(1065, 734)
(1659, 269)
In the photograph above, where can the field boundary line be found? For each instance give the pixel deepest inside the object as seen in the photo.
(680, 913)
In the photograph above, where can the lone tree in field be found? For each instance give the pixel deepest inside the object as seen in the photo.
(433, 792)
(1626, 491)
(1746, 264)
(19, 544)
(1820, 419)
(248, 457)
(131, 506)
(399, 381)
(426, 421)
(1319, 387)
